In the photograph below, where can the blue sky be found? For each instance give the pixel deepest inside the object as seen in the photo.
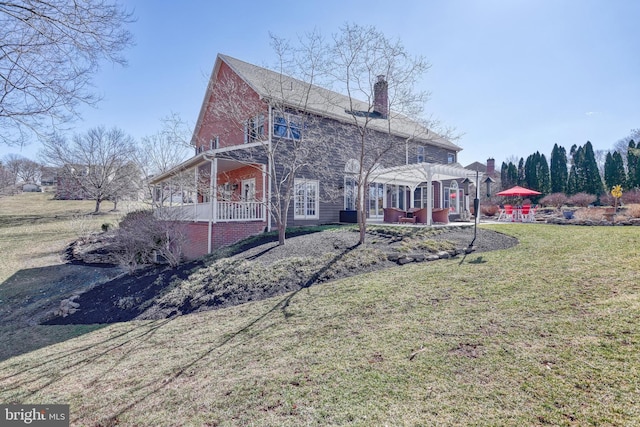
(515, 76)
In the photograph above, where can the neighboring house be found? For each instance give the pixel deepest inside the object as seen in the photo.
(489, 179)
(67, 184)
(31, 188)
(421, 172)
(49, 179)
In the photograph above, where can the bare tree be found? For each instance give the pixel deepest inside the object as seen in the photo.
(12, 164)
(98, 161)
(303, 149)
(24, 169)
(160, 152)
(622, 145)
(351, 63)
(361, 58)
(49, 52)
(7, 178)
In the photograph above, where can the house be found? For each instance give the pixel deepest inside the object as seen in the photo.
(235, 162)
(489, 178)
(68, 186)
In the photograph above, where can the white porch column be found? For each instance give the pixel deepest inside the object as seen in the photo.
(213, 185)
(264, 191)
(429, 176)
(195, 202)
(214, 189)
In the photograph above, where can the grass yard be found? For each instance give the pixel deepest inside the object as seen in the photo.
(546, 333)
(34, 232)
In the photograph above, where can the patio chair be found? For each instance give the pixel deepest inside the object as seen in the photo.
(528, 213)
(419, 214)
(392, 215)
(440, 215)
(506, 214)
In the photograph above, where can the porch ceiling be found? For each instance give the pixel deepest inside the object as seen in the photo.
(414, 174)
(224, 165)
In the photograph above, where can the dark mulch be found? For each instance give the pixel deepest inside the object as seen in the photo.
(128, 296)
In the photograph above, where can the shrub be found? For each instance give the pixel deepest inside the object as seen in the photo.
(582, 199)
(633, 210)
(631, 196)
(141, 236)
(489, 210)
(554, 199)
(607, 199)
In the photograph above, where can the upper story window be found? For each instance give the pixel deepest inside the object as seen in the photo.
(254, 129)
(451, 158)
(212, 145)
(420, 154)
(287, 125)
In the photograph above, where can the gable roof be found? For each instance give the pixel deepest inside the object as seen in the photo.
(297, 94)
(477, 166)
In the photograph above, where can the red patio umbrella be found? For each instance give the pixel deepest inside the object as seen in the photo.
(519, 191)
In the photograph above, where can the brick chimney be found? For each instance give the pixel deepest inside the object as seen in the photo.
(381, 97)
(491, 166)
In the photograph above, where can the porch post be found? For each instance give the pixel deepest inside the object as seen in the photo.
(429, 174)
(195, 202)
(212, 199)
(412, 196)
(214, 188)
(264, 193)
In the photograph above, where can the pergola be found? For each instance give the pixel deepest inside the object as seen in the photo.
(413, 175)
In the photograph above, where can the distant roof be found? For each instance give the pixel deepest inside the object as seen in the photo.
(298, 94)
(477, 166)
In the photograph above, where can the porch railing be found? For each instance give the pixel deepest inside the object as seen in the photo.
(226, 212)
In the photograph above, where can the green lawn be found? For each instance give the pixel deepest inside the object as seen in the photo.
(546, 333)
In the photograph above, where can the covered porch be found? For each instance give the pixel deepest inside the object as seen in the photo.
(422, 176)
(207, 188)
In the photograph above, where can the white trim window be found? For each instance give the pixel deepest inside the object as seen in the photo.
(287, 125)
(350, 193)
(254, 129)
(306, 202)
(451, 158)
(420, 154)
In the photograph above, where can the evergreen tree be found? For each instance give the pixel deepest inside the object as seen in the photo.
(592, 178)
(614, 173)
(558, 169)
(530, 179)
(512, 174)
(576, 183)
(633, 169)
(504, 177)
(521, 172)
(544, 176)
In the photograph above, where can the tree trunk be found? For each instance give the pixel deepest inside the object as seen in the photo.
(362, 225)
(98, 201)
(282, 228)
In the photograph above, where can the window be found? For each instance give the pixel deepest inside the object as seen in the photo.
(254, 129)
(420, 154)
(286, 125)
(306, 201)
(451, 158)
(350, 193)
(249, 190)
